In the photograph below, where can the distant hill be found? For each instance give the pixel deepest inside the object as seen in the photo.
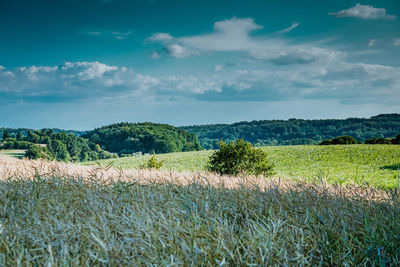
(296, 131)
(145, 137)
(24, 131)
(127, 138)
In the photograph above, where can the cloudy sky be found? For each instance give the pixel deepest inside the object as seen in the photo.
(81, 64)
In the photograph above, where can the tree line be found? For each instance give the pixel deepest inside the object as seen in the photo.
(349, 140)
(61, 146)
(297, 131)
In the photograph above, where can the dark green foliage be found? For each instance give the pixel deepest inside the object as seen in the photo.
(19, 136)
(340, 140)
(6, 134)
(127, 138)
(153, 163)
(59, 150)
(326, 142)
(296, 131)
(14, 144)
(396, 140)
(67, 147)
(238, 157)
(38, 152)
(376, 141)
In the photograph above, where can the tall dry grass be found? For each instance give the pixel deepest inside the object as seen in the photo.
(68, 215)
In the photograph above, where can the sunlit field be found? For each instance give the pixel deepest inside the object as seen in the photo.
(16, 153)
(56, 214)
(364, 165)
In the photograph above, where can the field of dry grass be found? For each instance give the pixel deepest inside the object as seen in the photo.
(58, 214)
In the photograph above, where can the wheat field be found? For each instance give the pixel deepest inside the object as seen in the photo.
(58, 214)
(362, 165)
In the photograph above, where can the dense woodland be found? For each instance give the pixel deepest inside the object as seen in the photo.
(61, 146)
(296, 131)
(128, 138)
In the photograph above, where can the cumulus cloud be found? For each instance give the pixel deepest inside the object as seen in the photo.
(177, 51)
(364, 12)
(291, 27)
(236, 35)
(346, 82)
(88, 81)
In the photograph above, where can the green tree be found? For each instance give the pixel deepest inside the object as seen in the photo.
(6, 134)
(19, 136)
(59, 150)
(238, 157)
(153, 163)
(37, 152)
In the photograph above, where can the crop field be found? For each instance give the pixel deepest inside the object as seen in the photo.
(57, 214)
(16, 153)
(363, 165)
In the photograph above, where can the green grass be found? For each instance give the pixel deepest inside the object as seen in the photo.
(15, 153)
(365, 165)
(69, 222)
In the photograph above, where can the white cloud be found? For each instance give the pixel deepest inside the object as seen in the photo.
(372, 42)
(396, 42)
(291, 27)
(119, 35)
(297, 55)
(161, 36)
(236, 35)
(228, 35)
(155, 55)
(88, 81)
(218, 68)
(364, 12)
(178, 51)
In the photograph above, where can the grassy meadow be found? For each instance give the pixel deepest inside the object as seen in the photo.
(363, 165)
(16, 153)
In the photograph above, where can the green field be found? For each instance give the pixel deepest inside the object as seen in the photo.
(373, 165)
(15, 153)
(56, 214)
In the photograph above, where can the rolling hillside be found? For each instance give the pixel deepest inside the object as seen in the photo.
(297, 131)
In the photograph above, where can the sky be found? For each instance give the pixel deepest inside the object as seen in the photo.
(77, 64)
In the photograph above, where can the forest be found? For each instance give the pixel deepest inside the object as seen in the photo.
(61, 146)
(297, 131)
(127, 138)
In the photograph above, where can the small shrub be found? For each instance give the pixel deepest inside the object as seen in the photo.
(38, 152)
(239, 157)
(153, 163)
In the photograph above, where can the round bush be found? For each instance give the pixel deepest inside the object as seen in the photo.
(239, 157)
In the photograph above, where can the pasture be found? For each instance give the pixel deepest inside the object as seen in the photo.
(363, 165)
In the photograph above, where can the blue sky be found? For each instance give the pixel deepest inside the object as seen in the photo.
(82, 64)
